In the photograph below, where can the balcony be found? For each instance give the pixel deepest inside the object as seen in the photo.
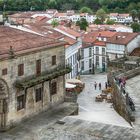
(45, 76)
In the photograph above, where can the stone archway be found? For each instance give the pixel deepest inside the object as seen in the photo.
(4, 92)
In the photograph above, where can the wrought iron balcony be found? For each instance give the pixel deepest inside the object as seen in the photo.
(45, 76)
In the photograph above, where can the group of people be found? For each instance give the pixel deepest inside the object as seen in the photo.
(99, 85)
(121, 82)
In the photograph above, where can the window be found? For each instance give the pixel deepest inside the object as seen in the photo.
(53, 88)
(54, 60)
(20, 69)
(38, 67)
(90, 52)
(4, 71)
(20, 102)
(38, 94)
(97, 61)
(82, 53)
(103, 51)
(90, 63)
(103, 59)
(82, 65)
(97, 50)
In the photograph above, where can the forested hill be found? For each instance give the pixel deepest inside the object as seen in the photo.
(94, 5)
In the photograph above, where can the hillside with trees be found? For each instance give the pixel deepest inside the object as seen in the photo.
(120, 6)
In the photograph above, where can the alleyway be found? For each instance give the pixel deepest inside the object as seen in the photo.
(97, 111)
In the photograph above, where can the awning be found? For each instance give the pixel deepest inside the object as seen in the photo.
(74, 81)
(67, 85)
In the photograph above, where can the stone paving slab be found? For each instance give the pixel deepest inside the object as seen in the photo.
(28, 129)
(73, 129)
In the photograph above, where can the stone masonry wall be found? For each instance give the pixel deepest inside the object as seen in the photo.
(29, 61)
(119, 101)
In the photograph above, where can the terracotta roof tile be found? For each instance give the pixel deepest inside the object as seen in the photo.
(122, 38)
(69, 31)
(23, 41)
(99, 43)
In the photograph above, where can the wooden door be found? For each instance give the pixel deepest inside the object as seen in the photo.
(3, 110)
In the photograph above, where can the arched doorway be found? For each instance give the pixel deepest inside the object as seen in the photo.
(3, 104)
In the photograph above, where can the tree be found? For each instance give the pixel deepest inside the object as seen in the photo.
(97, 21)
(136, 27)
(82, 23)
(54, 23)
(110, 22)
(134, 14)
(101, 14)
(85, 10)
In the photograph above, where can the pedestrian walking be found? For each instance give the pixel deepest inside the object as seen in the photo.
(106, 85)
(95, 85)
(100, 86)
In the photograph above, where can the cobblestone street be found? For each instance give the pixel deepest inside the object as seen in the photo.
(97, 111)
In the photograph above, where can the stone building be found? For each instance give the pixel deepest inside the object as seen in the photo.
(32, 70)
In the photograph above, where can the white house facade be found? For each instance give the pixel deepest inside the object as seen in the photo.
(122, 44)
(71, 58)
(86, 58)
(100, 57)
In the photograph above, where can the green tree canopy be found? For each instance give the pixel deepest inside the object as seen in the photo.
(136, 27)
(110, 22)
(134, 14)
(97, 21)
(101, 14)
(83, 24)
(54, 23)
(85, 10)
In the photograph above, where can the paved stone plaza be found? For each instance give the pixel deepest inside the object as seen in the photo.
(96, 121)
(97, 111)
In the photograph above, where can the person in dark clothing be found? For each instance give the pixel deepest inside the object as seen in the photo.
(100, 86)
(106, 85)
(95, 85)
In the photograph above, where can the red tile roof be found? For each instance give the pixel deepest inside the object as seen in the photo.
(91, 37)
(69, 31)
(70, 40)
(122, 38)
(106, 34)
(23, 42)
(99, 43)
(45, 30)
(60, 14)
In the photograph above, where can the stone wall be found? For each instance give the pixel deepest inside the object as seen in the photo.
(120, 101)
(29, 60)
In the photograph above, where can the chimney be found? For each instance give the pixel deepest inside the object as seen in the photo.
(11, 53)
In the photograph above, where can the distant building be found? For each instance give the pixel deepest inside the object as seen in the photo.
(32, 71)
(121, 18)
(121, 44)
(72, 49)
(87, 58)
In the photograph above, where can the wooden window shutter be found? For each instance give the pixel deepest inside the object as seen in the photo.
(20, 69)
(54, 60)
(38, 67)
